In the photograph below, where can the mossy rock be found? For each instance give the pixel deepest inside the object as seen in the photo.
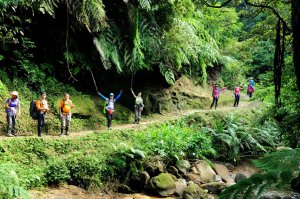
(163, 184)
(183, 166)
(193, 191)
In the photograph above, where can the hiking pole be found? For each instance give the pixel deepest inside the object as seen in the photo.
(131, 81)
(94, 80)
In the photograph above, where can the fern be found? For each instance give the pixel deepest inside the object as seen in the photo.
(280, 160)
(167, 73)
(48, 6)
(145, 4)
(279, 169)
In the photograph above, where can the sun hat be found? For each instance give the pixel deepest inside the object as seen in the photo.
(14, 93)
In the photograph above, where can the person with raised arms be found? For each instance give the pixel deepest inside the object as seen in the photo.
(110, 106)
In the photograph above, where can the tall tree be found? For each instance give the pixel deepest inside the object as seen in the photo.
(296, 37)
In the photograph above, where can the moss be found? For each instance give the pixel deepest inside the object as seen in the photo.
(163, 181)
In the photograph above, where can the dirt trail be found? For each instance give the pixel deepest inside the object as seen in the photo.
(157, 118)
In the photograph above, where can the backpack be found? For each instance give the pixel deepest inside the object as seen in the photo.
(251, 89)
(33, 110)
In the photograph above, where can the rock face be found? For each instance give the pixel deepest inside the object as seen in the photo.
(205, 172)
(193, 191)
(163, 184)
(183, 166)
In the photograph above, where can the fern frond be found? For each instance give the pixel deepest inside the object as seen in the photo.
(280, 160)
(48, 6)
(167, 73)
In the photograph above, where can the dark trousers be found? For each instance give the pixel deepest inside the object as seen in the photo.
(236, 100)
(109, 118)
(250, 94)
(41, 122)
(11, 124)
(215, 102)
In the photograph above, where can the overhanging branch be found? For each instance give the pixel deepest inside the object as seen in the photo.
(273, 10)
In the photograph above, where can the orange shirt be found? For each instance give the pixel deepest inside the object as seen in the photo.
(41, 105)
(66, 106)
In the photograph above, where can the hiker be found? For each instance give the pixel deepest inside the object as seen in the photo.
(237, 94)
(251, 82)
(110, 106)
(215, 95)
(138, 106)
(42, 108)
(13, 110)
(250, 90)
(65, 108)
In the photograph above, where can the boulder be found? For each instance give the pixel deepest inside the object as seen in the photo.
(163, 184)
(222, 171)
(206, 173)
(193, 177)
(183, 166)
(218, 178)
(140, 181)
(214, 187)
(180, 186)
(173, 170)
(213, 196)
(239, 177)
(193, 191)
(155, 168)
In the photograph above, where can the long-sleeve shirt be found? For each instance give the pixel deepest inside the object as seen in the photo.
(110, 102)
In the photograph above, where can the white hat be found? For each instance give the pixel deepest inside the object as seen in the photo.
(14, 93)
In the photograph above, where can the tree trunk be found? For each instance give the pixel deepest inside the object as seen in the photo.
(296, 38)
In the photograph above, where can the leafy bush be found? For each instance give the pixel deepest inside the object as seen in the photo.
(57, 171)
(125, 163)
(175, 141)
(10, 186)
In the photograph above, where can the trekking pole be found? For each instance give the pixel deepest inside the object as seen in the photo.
(94, 80)
(131, 81)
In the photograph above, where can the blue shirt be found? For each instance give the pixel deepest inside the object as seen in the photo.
(13, 104)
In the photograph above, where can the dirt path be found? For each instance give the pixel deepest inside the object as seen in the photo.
(159, 118)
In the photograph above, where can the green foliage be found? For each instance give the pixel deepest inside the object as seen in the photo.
(125, 163)
(10, 187)
(279, 169)
(57, 172)
(176, 142)
(235, 136)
